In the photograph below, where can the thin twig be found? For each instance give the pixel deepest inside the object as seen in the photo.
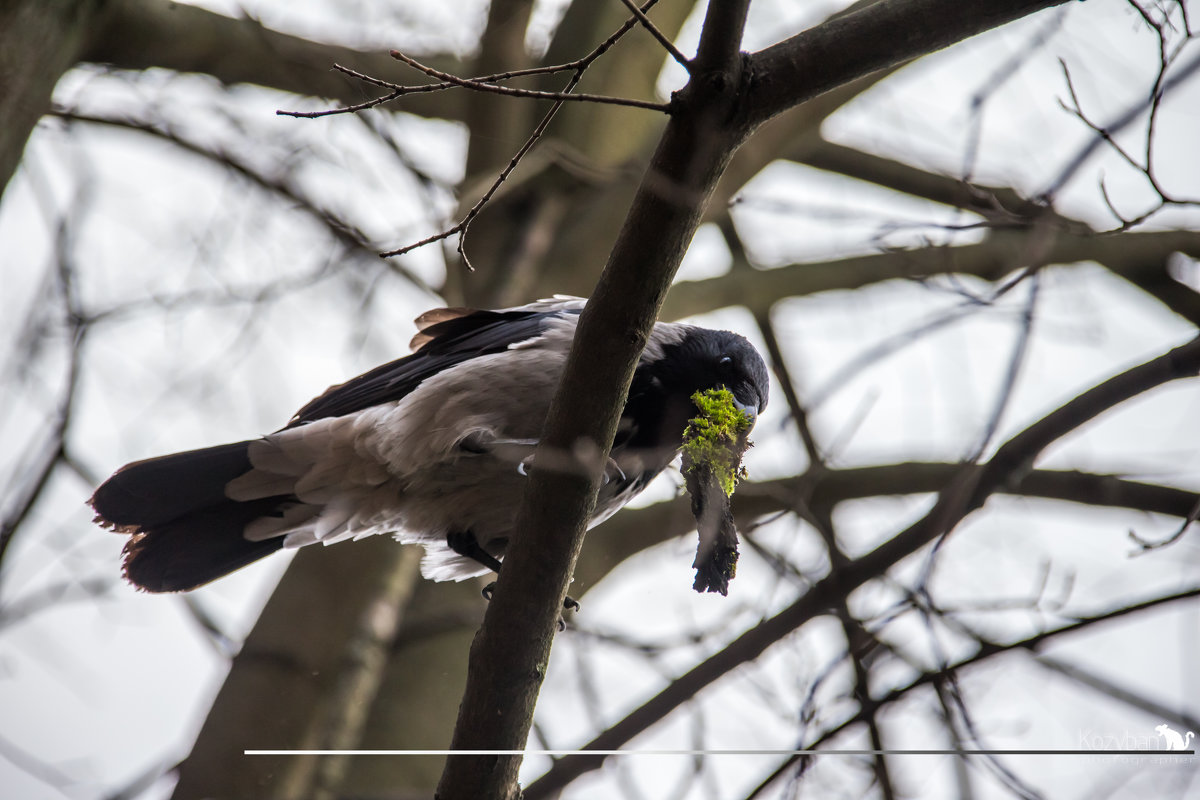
(988, 649)
(55, 445)
(54, 596)
(398, 90)
(341, 229)
(662, 38)
(462, 225)
(1105, 134)
(858, 649)
(468, 83)
(378, 101)
(1112, 690)
(1146, 545)
(896, 342)
(962, 774)
(762, 318)
(1016, 360)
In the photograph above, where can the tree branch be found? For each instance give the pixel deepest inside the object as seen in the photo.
(635, 530)
(339, 228)
(512, 648)
(39, 41)
(987, 650)
(879, 36)
(996, 203)
(510, 91)
(662, 38)
(967, 491)
(495, 125)
(578, 67)
(141, 34)
(1135, 256)
(342, 714)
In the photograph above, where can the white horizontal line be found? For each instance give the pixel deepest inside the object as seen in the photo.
(716, 752)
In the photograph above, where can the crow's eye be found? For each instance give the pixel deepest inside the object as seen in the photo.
(725, 363)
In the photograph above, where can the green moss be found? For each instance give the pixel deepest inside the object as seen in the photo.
(712, 438)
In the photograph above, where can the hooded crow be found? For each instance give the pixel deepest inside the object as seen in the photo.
(432, 448)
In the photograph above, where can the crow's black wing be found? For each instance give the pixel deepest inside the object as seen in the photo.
(458, 336)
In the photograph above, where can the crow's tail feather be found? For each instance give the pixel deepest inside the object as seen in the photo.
(184, 531)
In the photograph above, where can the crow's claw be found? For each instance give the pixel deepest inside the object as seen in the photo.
(569, 603)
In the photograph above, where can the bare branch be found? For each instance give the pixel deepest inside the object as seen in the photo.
(662, 38)
(778, 364)
(1146, 545)
(1016, 361)
(53, 596)
(904, 338)
(579, 67)
(878, 36)
(461, 227)
(144, 34)
(1113, 691)
(493, 88)
(1135, 256)
(398, 90)
(987, 650)
(485, 83)
(1146, 167)
(513, 645)
(1105, 133)
(638, 529)
(859, 643)
(51, 452)
(341, 229)
(999, 205)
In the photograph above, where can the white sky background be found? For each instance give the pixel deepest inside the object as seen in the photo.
(103, 691)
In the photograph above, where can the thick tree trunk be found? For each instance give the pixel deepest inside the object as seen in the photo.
(306, 678)
(39, 41)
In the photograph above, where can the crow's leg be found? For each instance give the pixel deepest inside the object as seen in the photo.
(465, 544)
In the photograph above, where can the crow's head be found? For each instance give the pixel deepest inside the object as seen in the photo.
(707, 359)
(689, 360)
